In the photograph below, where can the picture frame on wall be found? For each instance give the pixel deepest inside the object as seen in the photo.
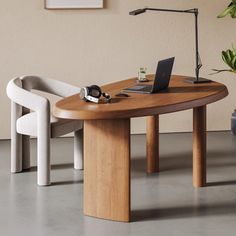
(73, 4)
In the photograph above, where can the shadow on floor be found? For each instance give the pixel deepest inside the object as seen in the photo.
(54, 167)
(183, 212)
(221, 183)
(59, 167)
(69, 182)
(178, 161)
(183, 160)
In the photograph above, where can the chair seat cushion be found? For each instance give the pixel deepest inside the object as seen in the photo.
(27, 125)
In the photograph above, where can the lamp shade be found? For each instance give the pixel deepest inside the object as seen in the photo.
(137, 12)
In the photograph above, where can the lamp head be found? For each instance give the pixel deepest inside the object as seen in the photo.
(137, 12)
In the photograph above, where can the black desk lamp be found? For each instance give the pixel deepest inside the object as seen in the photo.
(198, 59)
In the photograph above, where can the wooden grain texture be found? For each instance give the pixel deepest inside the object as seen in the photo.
(107, 169)
(152, 145)
(180, 96)
(107, 138)
(199, 146)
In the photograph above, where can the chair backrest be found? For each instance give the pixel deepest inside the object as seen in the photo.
(49, 85)
(19, 91)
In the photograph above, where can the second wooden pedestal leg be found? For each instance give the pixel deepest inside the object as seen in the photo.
(152, 144)
(107, 169)
(199, 146)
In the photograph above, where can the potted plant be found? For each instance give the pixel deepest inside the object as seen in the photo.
(229, 56)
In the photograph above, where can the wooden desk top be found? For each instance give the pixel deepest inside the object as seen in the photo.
(180, 96)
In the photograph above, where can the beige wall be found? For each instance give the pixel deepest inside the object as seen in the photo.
(85, 47)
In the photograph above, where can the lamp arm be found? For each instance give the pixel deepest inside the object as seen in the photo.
(194, 10)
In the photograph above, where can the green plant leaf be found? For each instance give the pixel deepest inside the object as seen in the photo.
(229, 57)
(227, 11)
(230, 10)
(234, 63)
(234, 47)
(233, 12)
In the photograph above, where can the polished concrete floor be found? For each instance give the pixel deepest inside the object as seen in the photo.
(162, 204)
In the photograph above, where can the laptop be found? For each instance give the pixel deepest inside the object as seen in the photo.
(161, 82)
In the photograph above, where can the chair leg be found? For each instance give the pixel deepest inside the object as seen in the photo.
(43, 151)
(25, 145)
(78, 150)
(16, 152)
(43, 161)
(16, 140)
(25, 152)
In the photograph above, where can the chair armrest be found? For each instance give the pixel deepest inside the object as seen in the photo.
(25, 98)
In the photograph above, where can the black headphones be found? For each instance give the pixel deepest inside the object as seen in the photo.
(93, 93)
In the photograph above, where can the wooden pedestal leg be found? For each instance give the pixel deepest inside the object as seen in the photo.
(199, 146)
(107, 169)
(152, 144)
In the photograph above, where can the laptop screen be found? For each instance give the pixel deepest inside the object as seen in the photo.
(163, 74)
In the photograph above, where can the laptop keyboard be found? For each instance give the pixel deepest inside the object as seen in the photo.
(145, 88)
(139, 88)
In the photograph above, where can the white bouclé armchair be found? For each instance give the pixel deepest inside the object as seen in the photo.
(31, 116)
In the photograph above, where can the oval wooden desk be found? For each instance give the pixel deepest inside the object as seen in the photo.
(107, 138)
